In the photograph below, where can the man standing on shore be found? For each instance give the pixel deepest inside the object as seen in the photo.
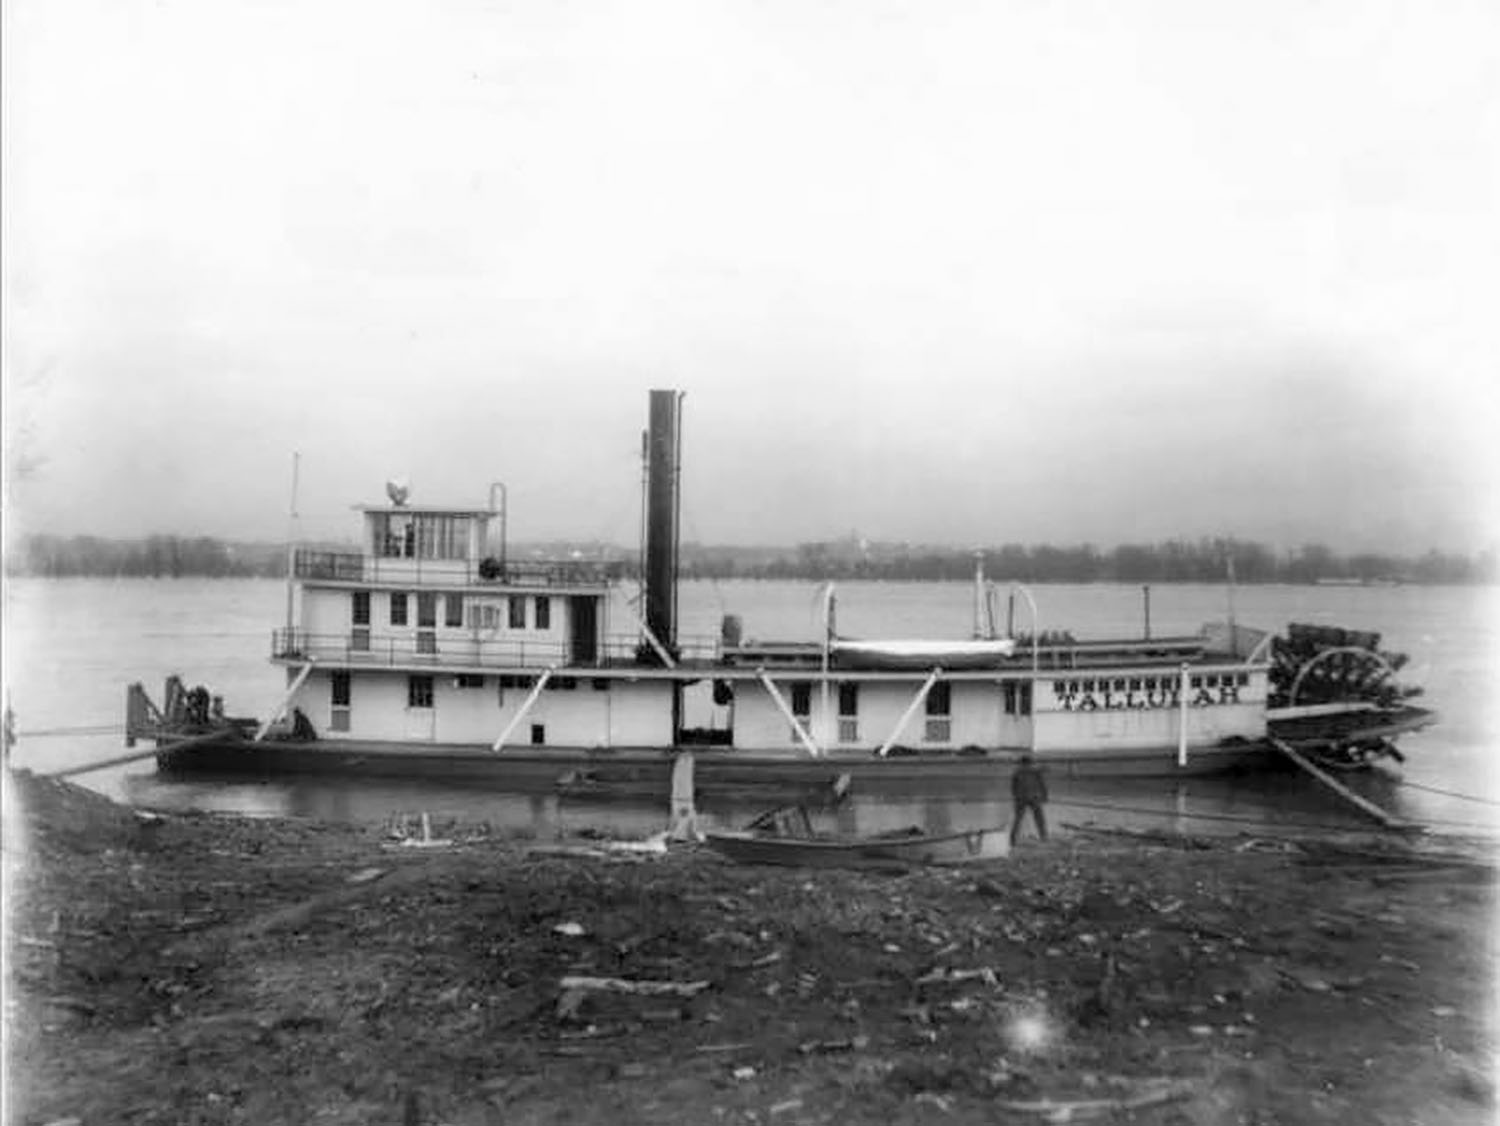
(1028, 790)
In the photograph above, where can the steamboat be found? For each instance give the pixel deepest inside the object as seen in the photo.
(429, 653)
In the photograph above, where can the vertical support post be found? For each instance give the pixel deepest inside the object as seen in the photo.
(1182, 715)
(684, 823)
(1146, 599)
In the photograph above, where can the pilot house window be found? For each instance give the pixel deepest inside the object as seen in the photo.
(424, 535)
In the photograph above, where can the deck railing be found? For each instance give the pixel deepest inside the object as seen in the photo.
(429, 648)
(351, 566)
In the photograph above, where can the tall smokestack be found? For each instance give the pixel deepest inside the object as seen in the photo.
(662, 502)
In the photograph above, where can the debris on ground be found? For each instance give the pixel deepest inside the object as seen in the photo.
(226, 970)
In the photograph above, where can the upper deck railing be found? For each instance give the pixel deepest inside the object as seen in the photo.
(361, 647)
(351, 566)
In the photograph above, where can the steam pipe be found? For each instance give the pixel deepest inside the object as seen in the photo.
(504, 508)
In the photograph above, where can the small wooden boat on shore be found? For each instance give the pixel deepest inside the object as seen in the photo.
(857, 852)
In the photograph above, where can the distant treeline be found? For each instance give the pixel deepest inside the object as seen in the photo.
(1173, 561)
(152, 557)
(1198, 561)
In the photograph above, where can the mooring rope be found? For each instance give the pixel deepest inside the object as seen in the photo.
(49, 732)
(1246, 819)
(1446, 793)
(1243, 819)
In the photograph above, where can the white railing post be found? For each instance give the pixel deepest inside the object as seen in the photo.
(911, 710)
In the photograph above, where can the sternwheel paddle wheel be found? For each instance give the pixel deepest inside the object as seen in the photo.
(1335, 696)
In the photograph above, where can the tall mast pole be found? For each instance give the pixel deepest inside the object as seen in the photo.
(291, 545)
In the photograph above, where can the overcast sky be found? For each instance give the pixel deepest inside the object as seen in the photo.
(1009, 270)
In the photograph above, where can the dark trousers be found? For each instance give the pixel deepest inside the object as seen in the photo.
(1037, 815)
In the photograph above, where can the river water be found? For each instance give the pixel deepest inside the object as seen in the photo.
(72, 646)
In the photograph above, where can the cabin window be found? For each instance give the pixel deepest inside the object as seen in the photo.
(1008, 695)
(601, 684)
(517, 612)
(398, 608)
(1017, 696)
(339, 693)
(538, 734)
(485, 615)
(360, 608)
(454, 619)
(426, 610)
(849, 712)
(939, 728)
(426, 622)
(543, 612)
(419, 692)
(468, 680)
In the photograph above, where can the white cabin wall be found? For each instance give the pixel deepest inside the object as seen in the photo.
(626, 714)
(976, 711)
(976, 717)
(327, 611)
(758, 723)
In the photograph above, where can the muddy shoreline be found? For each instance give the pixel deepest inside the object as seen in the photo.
(197, 968)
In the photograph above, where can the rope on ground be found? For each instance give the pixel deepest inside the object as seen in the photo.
(1185, 816)
(1249, 820)
(1446, 793)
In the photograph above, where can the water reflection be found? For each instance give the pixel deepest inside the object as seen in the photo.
(1262, 803)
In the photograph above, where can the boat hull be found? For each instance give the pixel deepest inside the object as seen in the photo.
(971, 847)
(623, 772)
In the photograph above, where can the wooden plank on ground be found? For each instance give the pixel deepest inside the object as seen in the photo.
(1364, 805)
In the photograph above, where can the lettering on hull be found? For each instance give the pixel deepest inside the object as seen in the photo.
(1145, 693)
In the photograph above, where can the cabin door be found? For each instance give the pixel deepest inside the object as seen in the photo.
(584, 630)
(421, 716)
(421, 724)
